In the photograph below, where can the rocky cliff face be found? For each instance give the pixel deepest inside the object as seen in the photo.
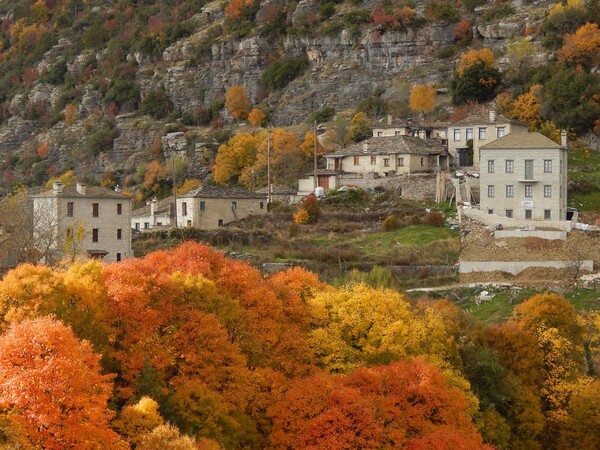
(344, 68)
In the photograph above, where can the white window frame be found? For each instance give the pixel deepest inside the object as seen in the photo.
(509, 166)
(490, 191)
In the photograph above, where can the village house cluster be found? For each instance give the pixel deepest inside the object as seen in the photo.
(520, 175)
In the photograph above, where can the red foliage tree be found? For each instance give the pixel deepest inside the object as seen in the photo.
(50, 384)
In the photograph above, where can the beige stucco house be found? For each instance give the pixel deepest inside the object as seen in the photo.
(481, 128)
(88, 221)
(210, 207)
(524, 176)
(156, 213)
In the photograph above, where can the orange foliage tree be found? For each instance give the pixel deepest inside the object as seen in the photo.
(257, 117)
(406, 404)
(235, 7)
(473, 58)
(581, 47)
(50, 384)
(236, 101)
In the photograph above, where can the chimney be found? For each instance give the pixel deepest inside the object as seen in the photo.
(492, 115)
(390, 119)
(365, 146)
(57, 187)
(422, 134)
(153, 206)
(81, 188)
(563, 138)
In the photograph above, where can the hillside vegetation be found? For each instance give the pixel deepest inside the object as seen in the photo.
(96, 86)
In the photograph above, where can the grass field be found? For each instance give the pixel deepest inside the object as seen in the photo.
(584, 194)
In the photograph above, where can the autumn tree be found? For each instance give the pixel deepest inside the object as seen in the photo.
(527, 108)
(168, 437)
(393, 15)
(237, 103)
(352, 411)
(422, 98)
(50, 384)
(582, 47)
(235, 7)
(137, 420)
(155, 174)
(237, 154)
(308, 146)
(360, 127)
(257, 117)
(476, 77)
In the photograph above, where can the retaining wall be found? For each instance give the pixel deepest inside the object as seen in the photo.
(491, 220)
(516, 267)
(544, 234)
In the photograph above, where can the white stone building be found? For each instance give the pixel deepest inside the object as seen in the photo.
(92, 222)
(524, 176)
(156, 213)
(481, 128)
(208, 207)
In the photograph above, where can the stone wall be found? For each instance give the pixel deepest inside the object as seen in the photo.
(492, 220)
(516, 267)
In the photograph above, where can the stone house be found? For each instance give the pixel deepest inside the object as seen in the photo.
(369, 163)
(400, 127)
(524, 176)
(155, 213)
(480, 128)
(280, 193)
(210, 207)
(80, 220)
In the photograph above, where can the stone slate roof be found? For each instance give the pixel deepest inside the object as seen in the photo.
(522, 141)
(162, 206)
(213, 191)
(277, 189)
(70, 191)
(392, 145)
(483, 118)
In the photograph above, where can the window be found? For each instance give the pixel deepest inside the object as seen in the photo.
(500, 131)
(262, 205)
(233, 206)
(189, 223)
(482, 134)
(95, 234)
(137, 226)
(70, 209)
(69, 232)
(373, 160)
(220, 222)
(490, 211)
(146, 225)
(379, 133)
(469, 134)
(356, 160)
(528, 214)
(203, 206)
(510, 166)
(547, 190)
(547, 166)
(528, 190)
(386, 162)
(400, 161)
(119, 209)
(397, 133)
(159, 224)
(422, 159)
(457, 135)
(509, 213)
(184, 208)
(490, 190)
(510, 192)
(119, 233)
(95, 209)
(547, 214)
(119, 257)
(491, 166)
(529, 169)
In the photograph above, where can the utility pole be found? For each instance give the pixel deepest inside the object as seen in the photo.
(315, 155)
(268, 166)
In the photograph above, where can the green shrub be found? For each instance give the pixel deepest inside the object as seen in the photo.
(498, 12)
(102, 138)
(321, 115)
(157, 104)
(357, 17)
(122, 91)
(443, 11)
(331, 28)
(279, 74)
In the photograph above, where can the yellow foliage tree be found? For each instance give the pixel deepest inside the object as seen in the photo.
(236, 101)
(235, 155)
(359, 325)
(188, 185)
(475, 57)
(155, 173)
(167, 437)
(527, 108)
(560, 7)
(422, 98)
(308, 146)
(257, 117)
(67, 179)
(137, 420)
